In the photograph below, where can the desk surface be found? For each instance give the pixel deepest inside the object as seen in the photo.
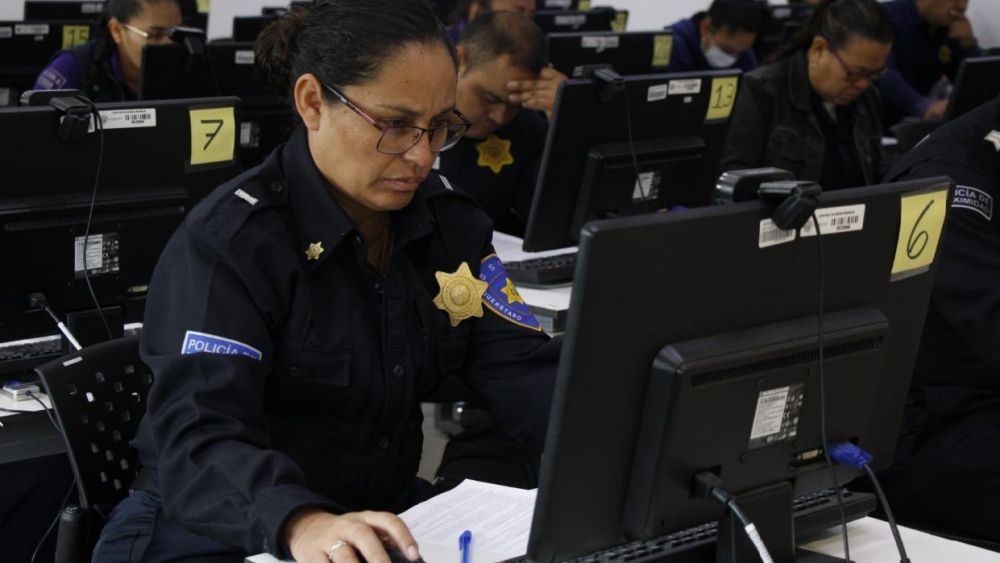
(871, 542)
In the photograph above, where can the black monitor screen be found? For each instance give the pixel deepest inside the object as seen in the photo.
(977, 82)
(692, 345)
(592, 170)
(596, 19)
(633, 52)
(26, 48)
(159, 158)
(63, 10)
(247, 28)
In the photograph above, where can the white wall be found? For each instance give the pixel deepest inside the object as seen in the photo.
(644, 14)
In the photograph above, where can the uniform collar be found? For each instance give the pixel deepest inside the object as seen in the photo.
(319, 219)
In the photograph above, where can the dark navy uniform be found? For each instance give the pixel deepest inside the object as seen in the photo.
(921, 55)
(289, 372)
(500, 171)
(945, 473)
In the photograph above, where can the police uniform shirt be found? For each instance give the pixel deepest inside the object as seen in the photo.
(500, 171)
(289, 372)
(920, 57)
(959, 346)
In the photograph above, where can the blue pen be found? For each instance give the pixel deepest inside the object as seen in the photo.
(465, 545)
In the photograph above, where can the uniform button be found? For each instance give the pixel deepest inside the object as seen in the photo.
(357, 241)
(378, 287)
(383, 443)
(277, 187)
(398, 370)
(294, 372)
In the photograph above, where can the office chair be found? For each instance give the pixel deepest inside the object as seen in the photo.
(98, 395)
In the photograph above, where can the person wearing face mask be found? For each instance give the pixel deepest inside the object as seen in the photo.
(814, 112)
(502, 77)
(933, 37)
(466, 11)
(718, 39)
(107, 68)
(304, 309)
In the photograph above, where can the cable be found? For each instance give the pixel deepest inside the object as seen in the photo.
(631, 145)
(708, 484)
(851, 455)
(822, 391)
(47, 410)
(90, 217)
(62, 506)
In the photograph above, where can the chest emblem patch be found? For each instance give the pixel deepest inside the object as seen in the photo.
(461, 294)
(494, 153)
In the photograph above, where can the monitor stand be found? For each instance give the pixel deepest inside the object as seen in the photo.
(88, 329)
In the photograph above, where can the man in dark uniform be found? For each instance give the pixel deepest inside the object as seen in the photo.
(932, 38)
(945, 474)
(498, 159)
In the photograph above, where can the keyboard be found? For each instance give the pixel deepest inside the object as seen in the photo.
(813, 514)
(557, 268)
(24, 355)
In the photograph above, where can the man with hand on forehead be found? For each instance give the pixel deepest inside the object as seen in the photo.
(503, 84)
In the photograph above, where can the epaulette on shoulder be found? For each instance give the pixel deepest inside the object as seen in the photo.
(227, 209)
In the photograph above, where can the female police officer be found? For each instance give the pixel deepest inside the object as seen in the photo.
(300, 314)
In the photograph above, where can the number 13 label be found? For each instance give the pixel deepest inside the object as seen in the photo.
(720, 105)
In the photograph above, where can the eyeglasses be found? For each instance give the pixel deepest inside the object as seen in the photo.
(854, 75)
(153, 35)
(397, 139)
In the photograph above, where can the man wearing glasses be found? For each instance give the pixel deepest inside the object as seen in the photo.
(108, 67)
(502, 78)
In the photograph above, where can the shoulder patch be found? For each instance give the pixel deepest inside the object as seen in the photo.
(501, 297)
(977, 200)
(204, 343)
(993, 137)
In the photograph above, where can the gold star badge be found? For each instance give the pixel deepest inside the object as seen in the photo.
(494, 153)
(314, 251)
(511, 292)
(945, 54)
(461, 294)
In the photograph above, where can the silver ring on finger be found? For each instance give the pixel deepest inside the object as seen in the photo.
(337, 545)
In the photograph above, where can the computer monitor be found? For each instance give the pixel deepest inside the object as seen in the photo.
(168, 72)
(678, 124)
(154, 168)
(692, 345)
(35, 10)
(977, 82)
(247, 28)
(780, 23)
(26, 47)
(594, 19)
(631, 52)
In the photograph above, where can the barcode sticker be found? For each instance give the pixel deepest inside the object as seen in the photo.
(685, 87)
(573, 20)
(656, 93)
(771, 235)
(31, 29)
(91, 7)
(835, 220)
(126, 119)
(599, 42)
(244, 57)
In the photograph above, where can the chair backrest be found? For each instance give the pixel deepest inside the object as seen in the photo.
(99, 396)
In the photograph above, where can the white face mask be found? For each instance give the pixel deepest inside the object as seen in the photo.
(718, 58)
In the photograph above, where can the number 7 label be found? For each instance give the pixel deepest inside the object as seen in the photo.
(213, 135)
(921, 220)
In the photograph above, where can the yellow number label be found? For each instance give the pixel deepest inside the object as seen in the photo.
(204, 6)
(620, 22)
(921, 219)
(720, 105)
(213, 135)
(584, 5)
(663, 46)
(74, 35)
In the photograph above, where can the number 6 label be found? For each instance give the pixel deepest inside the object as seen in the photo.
(921, 219)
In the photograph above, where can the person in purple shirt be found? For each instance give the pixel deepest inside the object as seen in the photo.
(717, 39)
(107, 68)
(932, 39)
